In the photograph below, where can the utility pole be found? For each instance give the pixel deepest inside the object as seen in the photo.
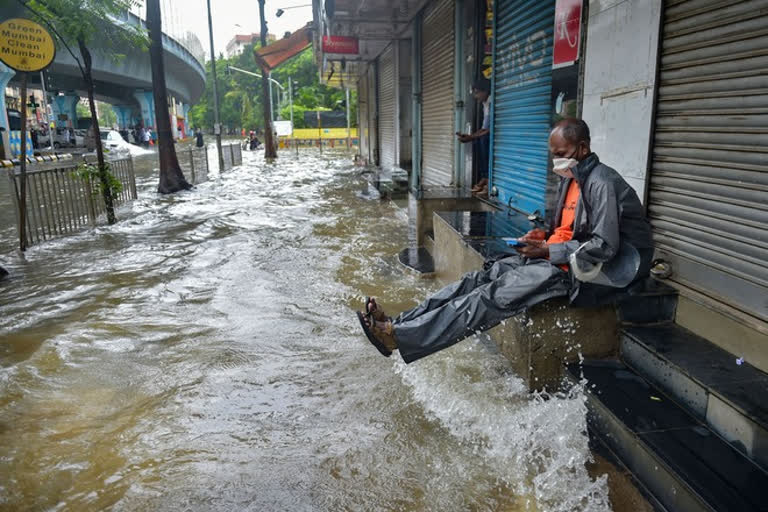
(269, 145)
(45, 111)
(349, 142)
(271, 108)
(290, 100)
(217, 123)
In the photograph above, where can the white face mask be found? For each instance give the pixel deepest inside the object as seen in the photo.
(563, 166)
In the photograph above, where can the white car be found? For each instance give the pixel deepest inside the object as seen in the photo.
(112, 140)
(61, 139)
(80, 138)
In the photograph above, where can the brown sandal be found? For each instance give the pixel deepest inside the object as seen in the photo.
(376, 336)
(372, 309)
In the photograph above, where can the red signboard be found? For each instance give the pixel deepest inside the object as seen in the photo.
(341, 44)
(567, 32)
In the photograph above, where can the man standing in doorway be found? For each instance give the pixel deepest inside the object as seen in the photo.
(481, 139)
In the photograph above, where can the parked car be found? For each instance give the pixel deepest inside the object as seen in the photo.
(61, 138)
(80, 138)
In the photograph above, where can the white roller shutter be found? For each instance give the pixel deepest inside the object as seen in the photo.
(437, 123)
(362, 112)
(387, 107)
(708, 197)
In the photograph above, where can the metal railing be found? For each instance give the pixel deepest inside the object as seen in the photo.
(60, 202)
(194, 163)
(233, 155)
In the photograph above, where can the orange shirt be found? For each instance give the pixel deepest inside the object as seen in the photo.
(564, 232)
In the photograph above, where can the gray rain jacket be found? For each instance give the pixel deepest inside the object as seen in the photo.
(608, 212)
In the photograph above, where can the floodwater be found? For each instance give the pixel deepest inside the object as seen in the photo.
(203, 354)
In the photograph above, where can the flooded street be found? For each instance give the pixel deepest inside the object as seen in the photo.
(203, 354)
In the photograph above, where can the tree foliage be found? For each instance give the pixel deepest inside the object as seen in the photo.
(240, 95)
(90, 20)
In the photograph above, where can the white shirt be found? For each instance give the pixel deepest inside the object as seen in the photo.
(487, 113)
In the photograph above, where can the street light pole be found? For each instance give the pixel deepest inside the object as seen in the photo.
(349, 142)
(45, 109)
(271, 109)
(217, 123)
(290, 100)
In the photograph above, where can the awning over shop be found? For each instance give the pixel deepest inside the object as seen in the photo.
(271, 56)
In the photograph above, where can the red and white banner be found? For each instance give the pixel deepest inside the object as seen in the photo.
(567, 32)
(341, 44)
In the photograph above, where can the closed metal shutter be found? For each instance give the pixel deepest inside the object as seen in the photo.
(362, 109)
(387, 108)
(708, 197)
(437, 130)
(522, 102)
(373, 139)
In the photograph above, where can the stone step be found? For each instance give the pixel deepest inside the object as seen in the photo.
(649, 301)
(418, 259)
(683, 464)
(715, 386)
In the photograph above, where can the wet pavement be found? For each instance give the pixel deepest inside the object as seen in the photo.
(203, 354)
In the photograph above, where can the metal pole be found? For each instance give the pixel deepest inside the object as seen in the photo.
(217, 124)
(45, 108)
(271, 109)
(290, 99)
(349, 144)
(320, 131)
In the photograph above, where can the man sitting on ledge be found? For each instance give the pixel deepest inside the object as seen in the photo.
(598, 215)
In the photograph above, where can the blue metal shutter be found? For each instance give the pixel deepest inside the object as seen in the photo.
(522, 88)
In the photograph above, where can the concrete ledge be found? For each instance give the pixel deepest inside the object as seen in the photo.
(424, 208)
(539, 342)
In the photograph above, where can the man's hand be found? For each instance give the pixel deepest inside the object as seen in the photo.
(463, 137)
(534, 235)
(535, 249)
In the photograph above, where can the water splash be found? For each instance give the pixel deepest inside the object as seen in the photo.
(536, 443)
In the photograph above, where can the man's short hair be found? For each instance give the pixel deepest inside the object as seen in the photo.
(481, 84)
(573, 130)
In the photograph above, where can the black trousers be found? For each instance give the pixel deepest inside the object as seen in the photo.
(479, 301)
(482, 148)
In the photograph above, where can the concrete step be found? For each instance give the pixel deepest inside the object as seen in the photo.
(649, 301)
(729, 395)
(677, 458)
(418, 259)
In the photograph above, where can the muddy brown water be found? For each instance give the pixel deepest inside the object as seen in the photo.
(203, 354)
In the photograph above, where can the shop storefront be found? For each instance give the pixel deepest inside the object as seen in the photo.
(709, 166)
(437, 93)
(522, 106)
(387, 108)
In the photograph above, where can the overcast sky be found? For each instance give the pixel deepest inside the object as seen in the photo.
(227, 14)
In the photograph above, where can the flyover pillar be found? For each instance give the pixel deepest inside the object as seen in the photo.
(65, 104)
(147, 103)
(124, 115)
(186, 107)
(6, 74)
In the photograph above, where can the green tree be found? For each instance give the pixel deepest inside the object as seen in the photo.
(107, 116)
(82, 111)
(237, 90)
(84, 22)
